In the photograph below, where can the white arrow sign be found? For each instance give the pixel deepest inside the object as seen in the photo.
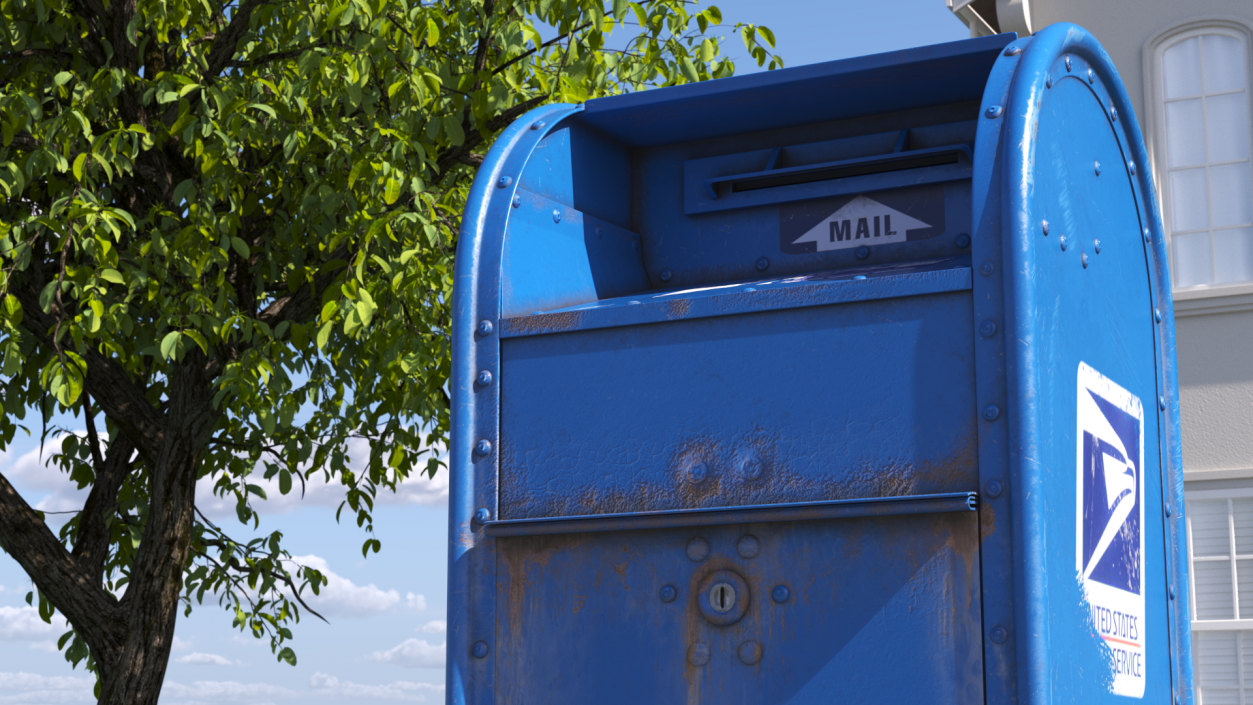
(860, 222)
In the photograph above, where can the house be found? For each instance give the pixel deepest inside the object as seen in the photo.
(1188, 68)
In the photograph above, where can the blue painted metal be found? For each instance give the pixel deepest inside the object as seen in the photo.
(681, 390)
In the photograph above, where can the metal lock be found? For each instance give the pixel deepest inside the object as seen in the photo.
(723, 597)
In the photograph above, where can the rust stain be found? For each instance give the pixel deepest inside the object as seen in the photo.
(543, 323)
(678, 308)
(987, 520)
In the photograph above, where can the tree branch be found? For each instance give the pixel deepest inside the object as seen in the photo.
(453, 155)
(228, 39)
(91, 548)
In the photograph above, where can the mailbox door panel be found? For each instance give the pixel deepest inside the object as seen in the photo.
(883, 610)
(1099, 466)
(869, 399)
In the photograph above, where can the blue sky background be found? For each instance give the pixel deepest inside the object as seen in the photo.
(385, 637)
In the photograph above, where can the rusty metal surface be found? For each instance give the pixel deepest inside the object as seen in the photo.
(870, 399)
(882, 610)
(789, 511)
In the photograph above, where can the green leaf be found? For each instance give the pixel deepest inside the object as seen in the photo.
(78, 166)
(169, 343)
(240, 247)
(620, 8)
(287, 655)
(284, 481)
(767, 34)
(392, 192)
(112, 275)
(47, 296)
(689, 69)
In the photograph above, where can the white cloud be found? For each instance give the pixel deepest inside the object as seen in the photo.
(435, 626)
(33, 473)
(412, 653)
(417, 603)
(340, 597)
(398, 690)
(180, 645)
(230, 691)
(197, 658)
(48, 647)
(34, 688)
(24, 624)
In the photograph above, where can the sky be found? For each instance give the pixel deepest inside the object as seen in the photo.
(385, 639)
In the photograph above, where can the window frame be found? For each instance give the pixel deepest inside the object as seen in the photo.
(1155, 116)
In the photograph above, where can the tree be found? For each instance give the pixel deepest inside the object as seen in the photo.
(227, 248)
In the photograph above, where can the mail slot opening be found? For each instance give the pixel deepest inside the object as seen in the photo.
(881, 166)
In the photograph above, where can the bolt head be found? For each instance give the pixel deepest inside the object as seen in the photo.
(750, 464)
(994, 489)
(991, 412)
(859, 277)
(863, 252)
(998, 634)
(1084, 259)
(748, 546)
(1096, 166)
(479, 649)
(750, 652)
(1147, 236)
(665, 275)
(1044, 227)
(483, 447)
(698, 654)
(1062, 240)
(993, 111)
(1157, 315)
(668, 593)
(987, 329)
(698, 472)
(987, 268)
(1013, 51)
(763, 263)
(538, 125)
(1048, 81)
(1161, 403)
(556, 215)
(1091, 76)
(485, 327)
(1167, 510)
(1067, 64)
(963, 240)
(517, 200)
(484, 378)
(504, 181)
(697, 549)
(1096, 245)
(1131, 166)
(780, 594)
(1113, 113)
(1172, 592)
(483, 515)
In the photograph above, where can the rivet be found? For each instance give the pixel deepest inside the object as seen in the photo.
(863, 252)
(991, 412)
(1048, 81)
(993, 111)
(1091, 76)
(748, 546)
(1172, 592)
(556, 215)
(1131, 166)
(517, 200)
(749, 289)
(1157, 315)
(1161, 403)
(987, 268)
(484, 378)
(698, 472)
(697, 549)
(483, 447)
(504, 181)
(1083, 258)
(1096, 245)
(859, 277)
(483, 515)
(665, 275)
(698, 654)
(1044, 227)
(1167, 510)
(988, 329)
(537, 125)
(633, 303)
(1113, 113)
(1013, 51)
(485, 327)
(780, 594)
(1062, 240)
(963, 240)
(994, 489)
(998, 634)
(750, 652)
(668, 593)
(1147, 236)
(1096, 166)
(479, 649)
(1067, 64)
(750, 465)
(763, 263)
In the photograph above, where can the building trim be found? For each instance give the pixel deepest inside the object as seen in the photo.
(1155, 123)
(1231, 474)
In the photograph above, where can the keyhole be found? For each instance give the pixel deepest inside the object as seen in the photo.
(722, 597)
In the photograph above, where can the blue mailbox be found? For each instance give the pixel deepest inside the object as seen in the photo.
(847, 383)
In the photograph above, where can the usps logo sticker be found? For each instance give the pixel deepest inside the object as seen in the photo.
(878, 218)
(1109, 515)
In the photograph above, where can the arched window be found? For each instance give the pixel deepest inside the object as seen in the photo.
(1202, 103)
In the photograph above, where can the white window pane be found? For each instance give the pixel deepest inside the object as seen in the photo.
(1233, 255)
(1213, 590)
(1224, 63)
(1188, 200)
(1242, 513)
(1209, 531)
(1217, 666)
(1244, 588)
(1227, 123)
(1192, 268)
(1181, 68)
(1231, 194)
(1185, 133)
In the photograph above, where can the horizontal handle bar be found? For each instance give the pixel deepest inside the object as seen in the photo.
(721, 516)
